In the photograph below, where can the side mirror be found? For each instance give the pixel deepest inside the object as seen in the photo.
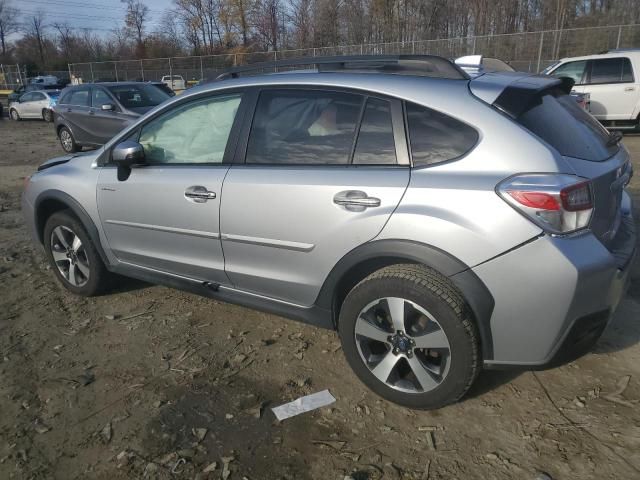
(125, 155)
(108, 107)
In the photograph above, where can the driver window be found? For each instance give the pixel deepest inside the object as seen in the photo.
(193, 133)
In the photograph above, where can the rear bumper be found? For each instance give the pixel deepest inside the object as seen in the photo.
(555, 296)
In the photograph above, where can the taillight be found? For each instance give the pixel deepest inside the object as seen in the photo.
(558, 203)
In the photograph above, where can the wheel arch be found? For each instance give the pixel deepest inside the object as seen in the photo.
(52, 201)
(366, 259)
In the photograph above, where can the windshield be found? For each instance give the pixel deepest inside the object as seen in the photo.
(559, 121)
(133, 96)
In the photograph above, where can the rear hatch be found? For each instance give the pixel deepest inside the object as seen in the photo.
(543, 106)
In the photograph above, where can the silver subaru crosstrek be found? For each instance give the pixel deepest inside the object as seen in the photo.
(439, 224)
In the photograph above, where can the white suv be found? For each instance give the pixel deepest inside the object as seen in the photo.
(613, 82)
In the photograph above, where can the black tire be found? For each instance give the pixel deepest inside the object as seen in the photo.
(69, 144)
(433, 292)
(47, 115)
(15, 116)
(98, 278)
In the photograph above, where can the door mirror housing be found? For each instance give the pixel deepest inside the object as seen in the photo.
(108, 107)
(125, 155)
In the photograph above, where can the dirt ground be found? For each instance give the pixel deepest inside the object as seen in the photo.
(148, 382)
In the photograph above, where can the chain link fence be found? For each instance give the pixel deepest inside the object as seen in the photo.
(11, 76)
(529, 52)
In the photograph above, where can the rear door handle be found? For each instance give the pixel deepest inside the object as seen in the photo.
(355, 200)
(199, 194)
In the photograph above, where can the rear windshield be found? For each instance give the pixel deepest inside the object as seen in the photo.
(132, 96)
(558, 120)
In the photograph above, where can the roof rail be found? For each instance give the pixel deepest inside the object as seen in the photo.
(418, 65)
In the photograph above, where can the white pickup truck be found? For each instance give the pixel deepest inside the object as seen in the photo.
(175, 82)
(613, 82)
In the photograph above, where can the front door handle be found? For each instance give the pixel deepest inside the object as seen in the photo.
(355, 200)
(199, 194)
(629, 89)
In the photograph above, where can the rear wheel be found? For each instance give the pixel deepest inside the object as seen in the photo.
(47, 115)
(13, 113)
(407, 335)
(67, 141)
(73, 257)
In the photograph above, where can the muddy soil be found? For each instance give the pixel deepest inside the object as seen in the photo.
(148, 382)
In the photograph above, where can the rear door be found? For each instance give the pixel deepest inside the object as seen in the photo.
(76, 114)
(610, 82)
(39, 103)
(320, 174)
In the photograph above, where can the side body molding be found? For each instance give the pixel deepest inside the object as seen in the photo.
(376, 254)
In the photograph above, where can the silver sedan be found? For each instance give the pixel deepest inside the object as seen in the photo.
(36, 104)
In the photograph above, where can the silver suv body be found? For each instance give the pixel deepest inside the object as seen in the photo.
(440, 224)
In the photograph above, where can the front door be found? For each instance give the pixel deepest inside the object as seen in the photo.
(27, 103)
(315, 185)
(165, 215)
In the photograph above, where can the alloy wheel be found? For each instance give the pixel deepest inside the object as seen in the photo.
(67, 141)
(14, 115)
(70, 256)
(402, 345)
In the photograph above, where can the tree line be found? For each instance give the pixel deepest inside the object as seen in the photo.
(200, 27)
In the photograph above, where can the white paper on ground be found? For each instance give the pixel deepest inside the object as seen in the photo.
(303, 404)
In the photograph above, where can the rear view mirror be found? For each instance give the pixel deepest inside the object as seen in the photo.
(125, 155)
(108, 107)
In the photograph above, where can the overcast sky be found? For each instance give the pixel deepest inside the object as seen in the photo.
(99, 15)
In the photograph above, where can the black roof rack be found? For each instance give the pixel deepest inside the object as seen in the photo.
(418, 65)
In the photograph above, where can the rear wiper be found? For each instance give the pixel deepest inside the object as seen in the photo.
(614, 138)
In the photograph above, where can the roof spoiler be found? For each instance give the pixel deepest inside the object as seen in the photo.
(514, 94)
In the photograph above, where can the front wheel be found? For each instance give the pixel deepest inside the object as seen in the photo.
(67, 141)
(15, 116)
(407, 334)
(72, 256)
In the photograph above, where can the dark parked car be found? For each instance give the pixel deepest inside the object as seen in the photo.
(164, 87)
(32, 87)
(91, 114)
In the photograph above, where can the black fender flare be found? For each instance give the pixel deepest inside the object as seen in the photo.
(77, 209)
(376, 254)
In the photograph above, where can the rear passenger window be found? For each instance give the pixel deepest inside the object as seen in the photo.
(611, 70)
(375, 144)
(435, 137)
(303, 127)
(79, 98)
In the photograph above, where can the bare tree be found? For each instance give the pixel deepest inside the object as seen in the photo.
(8, 23)
(35, 28)
(135, 21)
